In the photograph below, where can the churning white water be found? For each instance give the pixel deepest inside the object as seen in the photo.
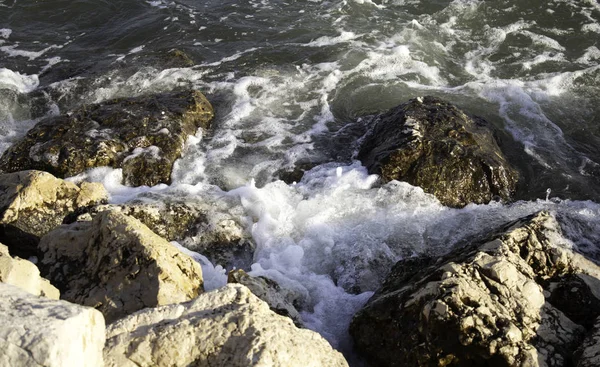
(289, 80)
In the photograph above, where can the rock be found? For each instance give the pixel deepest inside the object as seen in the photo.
(281, 301)
(202, 225)
(33, 202)
(25, 275)
(142, 135)
(430, 143)
(117, 265)
(588, 354)
(225, 327)
(38, 331)
(499, 302)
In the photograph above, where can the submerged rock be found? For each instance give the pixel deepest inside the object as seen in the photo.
(502, 303)
(25, 275)
(226, 327)
(281, 301)
(142, 135)
(117, 265)
(32, 203)
(432, 144)
(38, 331)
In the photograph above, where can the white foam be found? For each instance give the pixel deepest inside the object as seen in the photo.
(328, 41)
(5, 32)
(18, 82)
(31, 55)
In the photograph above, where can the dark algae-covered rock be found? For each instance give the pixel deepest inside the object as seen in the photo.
(521, 298)
(142, 135)
(430, 143)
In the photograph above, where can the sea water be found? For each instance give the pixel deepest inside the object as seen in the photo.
(295, 82)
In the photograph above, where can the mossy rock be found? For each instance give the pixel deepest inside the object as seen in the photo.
(432, 144)
(142, 135)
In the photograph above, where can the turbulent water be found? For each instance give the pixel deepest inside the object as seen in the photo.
(289, 81)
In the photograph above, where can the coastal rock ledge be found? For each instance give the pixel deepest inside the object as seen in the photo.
(432, 144)
(142, 135)
(521, 298)
(229, 326)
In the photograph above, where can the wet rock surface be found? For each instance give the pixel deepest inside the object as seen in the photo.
(200, 225)
(281, 301)
(25, 275)
(432, 144)
(142, 135)
(37, 331)
(500, 302)
(226, 327)
(34, 202)
(117, 265)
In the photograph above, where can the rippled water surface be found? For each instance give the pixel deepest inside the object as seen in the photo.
(289, 80)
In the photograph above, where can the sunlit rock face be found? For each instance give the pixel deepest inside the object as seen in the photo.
(229, 326)
(117, 265)
(142, 135)
(430, 143)
(32, 203)
(499, 302)
(38, 331)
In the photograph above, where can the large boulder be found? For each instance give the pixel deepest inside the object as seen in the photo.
(142, 135)
(432, 144)
(38, 331)
(33, 202)
(199, 224)
(117, 265)
(225, 327)
(521, 298)
(25, 275)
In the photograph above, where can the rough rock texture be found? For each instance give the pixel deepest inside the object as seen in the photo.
(33, 202)
(25, 275)
(279, 300)
(38, 331)
(430, 143)
(588, 354)
(202, 226)
(143, 135)
(500, 303)
(226, 327)
(117, 265)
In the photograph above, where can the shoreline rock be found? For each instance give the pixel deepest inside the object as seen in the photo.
(117, 265)
(514, 299)
(432, 144)
(38, 331)
(229, 326)
(204, 226)
(142, 135)
(32, 203)
(25, 275)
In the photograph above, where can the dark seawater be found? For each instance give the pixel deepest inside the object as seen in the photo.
(289, 79)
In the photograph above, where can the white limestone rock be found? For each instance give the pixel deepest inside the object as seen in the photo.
(117, 265)
(226, 327)
(25, 275)
(32, 203)
(38, 331)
